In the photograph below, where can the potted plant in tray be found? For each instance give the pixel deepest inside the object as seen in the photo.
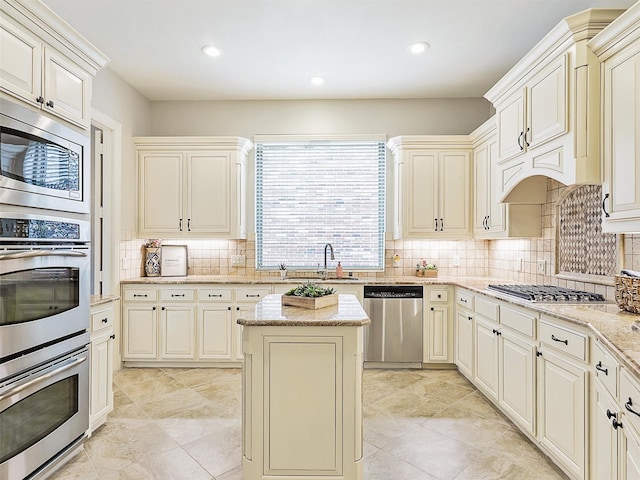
(310, 295)
(424, 269)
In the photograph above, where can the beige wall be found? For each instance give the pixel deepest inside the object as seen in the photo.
(390, 117)
(115, 98)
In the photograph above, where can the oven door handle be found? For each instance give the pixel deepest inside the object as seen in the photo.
(41, 253)
(42, 378)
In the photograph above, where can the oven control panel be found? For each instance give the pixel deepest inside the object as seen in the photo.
(35, 229)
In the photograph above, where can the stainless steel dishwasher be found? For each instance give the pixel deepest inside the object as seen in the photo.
(394, 337)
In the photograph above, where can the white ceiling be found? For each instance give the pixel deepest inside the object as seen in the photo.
(272, 47)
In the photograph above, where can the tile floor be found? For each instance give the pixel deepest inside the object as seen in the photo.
(171, 423)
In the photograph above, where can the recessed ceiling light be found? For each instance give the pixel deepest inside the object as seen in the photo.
(317, 81)
(418, 47)
(211, 51)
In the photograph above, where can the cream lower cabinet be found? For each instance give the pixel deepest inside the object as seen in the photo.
(464, 333)
(505, 366)
(563, 395)
(102, 338)
(215, 323)
(181, 178)
(185, 325)
(433, 187)
(438, 325)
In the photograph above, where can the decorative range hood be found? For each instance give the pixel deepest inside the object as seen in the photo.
(548, 112)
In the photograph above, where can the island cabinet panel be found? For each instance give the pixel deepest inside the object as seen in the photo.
(303, 424)
(302, 391)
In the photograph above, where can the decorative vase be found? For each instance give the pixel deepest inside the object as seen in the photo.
(152, 262)
(283, 274)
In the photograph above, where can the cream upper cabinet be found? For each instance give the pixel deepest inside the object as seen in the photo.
(433, 186)
(493, 219)
(548, 111)
(619, 50)
(52, 75)
(192, 186)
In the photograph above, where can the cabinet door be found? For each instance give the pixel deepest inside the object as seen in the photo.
(562, 409)
(210, 195)
(140, 333)
(161, 179)
(214, 332)
(621, 152)
(20, 62)
(481, 189)
(178, 332)
(495, 209)
(510, 119)
(630, 467)
(455, 194)
(547, 104)
(486, 357)
(421, 197)
(604, 461)
(464, 342)
(438, 335)
(67, 89)
(101, 400)
(517, 380)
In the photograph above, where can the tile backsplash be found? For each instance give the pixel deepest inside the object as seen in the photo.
(514, 260)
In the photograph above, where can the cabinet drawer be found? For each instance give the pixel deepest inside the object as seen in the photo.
(214, 295)
(520, 321)
(101, 319)
(606, 368)
(567, 341)
(487, 308)
(178, 295)
(141, 295)
(630, 397)
(440, 295)
(251, 294)
(464, 299)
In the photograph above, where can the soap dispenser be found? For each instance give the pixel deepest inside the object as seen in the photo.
(339, 270)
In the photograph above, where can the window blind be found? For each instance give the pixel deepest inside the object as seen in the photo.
(312, 193)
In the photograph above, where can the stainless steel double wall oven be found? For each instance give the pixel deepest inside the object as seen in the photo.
(44, 291)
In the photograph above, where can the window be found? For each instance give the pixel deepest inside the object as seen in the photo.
(310, 193)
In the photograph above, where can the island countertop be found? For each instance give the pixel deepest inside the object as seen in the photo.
(270, 312)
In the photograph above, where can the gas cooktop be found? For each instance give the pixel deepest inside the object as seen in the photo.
(548, 293)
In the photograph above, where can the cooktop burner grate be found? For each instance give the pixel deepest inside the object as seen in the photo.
(547, 293)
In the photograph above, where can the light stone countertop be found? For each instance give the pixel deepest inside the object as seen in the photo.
(612, 326)
(97, 300)
(269, 312)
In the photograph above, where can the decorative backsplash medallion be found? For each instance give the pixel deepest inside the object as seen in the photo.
(582, 247)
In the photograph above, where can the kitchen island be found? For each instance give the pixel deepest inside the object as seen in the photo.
(302, 391)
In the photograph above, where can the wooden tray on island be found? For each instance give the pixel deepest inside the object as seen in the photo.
(311, 303)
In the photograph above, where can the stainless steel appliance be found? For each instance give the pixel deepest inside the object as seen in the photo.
(44, 318)
(44, 279)
(44, 407)
(43, 163)
(547, 293)
(394, 336)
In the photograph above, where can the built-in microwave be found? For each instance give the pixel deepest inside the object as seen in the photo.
(43, 163)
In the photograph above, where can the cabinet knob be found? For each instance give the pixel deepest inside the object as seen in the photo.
(50, 104)
(113, 337)
(470, 318)
(105, 320)
(40, 100)
(538, 354)
(432, 309)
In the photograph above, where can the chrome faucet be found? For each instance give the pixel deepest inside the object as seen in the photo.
(325, 272)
